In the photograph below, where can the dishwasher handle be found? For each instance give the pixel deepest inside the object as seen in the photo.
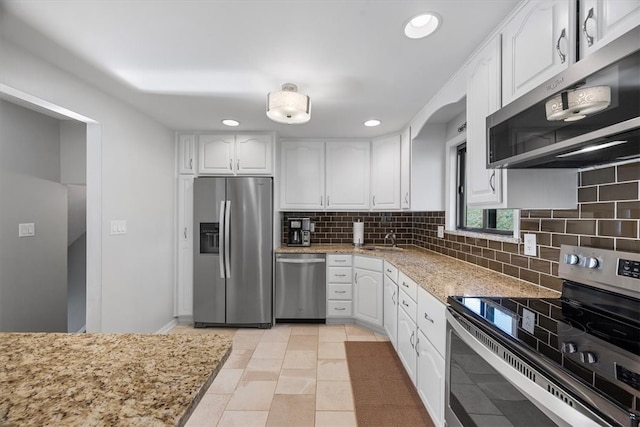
(300, 261)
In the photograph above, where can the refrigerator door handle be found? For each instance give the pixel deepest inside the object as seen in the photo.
(227, 247)
(221, 227)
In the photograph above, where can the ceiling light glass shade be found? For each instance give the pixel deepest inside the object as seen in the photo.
(422, 25)
(577, 104)
(372, 122)
(230, 122)
(288, 106)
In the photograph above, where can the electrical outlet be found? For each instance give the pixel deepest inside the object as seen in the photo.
(528, 320)
(441, 231)
(530, 244)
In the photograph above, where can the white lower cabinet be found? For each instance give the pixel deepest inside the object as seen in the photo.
(367, 295)
(390, 304)
(339, 287)
(407, 335)
(430, 381)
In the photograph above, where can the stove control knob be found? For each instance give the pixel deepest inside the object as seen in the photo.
(571, 259)
(591, 262)
(568, 348)
(588, 357)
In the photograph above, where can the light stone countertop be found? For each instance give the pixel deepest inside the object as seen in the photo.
(439, 274)
(51, 379)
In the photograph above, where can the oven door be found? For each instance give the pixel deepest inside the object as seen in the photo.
(487, 385)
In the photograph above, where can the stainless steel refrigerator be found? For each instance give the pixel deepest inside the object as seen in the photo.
(233, 252)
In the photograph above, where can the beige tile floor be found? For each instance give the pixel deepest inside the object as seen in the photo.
(291, 375)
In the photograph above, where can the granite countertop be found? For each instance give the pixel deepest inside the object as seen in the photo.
(105, 379)
(439, 274)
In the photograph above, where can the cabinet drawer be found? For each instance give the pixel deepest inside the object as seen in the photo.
(408, 285)
(339, 309)
(339, 275)
(339, 260)
(368, 263)
(431, 319)
(391, 271)
(344, 292)
(407, 304)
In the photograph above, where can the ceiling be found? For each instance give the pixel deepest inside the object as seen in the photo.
(190, 64)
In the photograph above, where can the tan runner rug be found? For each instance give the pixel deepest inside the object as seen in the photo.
(382, 391)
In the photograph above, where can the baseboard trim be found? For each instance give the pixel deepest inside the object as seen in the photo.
(82, 330)
(166, 328)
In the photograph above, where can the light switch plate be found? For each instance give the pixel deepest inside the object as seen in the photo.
(27, 229)
(118, 227)
(528, 320)
(530, 244)
(441, 231)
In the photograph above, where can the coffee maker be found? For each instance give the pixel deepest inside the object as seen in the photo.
(299, 232)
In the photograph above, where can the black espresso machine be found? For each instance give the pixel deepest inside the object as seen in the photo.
(299, 232)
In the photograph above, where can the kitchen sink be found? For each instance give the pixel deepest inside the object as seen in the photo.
(382, 248)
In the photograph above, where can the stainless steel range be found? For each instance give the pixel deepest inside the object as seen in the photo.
(573, 361)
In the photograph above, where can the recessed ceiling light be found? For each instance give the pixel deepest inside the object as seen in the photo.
(230, 122)
(372, 122)
(422, 25)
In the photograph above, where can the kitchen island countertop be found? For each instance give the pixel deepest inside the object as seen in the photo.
(105, 379)
(439, 274)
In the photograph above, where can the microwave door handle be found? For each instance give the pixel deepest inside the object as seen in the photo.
(221, 250)
(227, 239)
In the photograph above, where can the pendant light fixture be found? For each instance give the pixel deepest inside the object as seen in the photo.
(288, 105)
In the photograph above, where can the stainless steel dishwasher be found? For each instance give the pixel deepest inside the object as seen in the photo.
(301, 288)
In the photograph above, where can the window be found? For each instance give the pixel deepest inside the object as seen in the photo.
(496, 221)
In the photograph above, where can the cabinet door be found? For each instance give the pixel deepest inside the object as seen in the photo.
(186, 154)
(407, 343)
(348, 174)
(405, 169)
(385, 173)
(537, 44)
(184, 293)
(254, 154)
(602, 21)
(302, 175)
(430, 381)
(391, 310)
(483, 95)
(367, 302)
(216, 154)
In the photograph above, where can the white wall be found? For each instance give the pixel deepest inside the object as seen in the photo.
(33, 270)
(73, 152)
(137, 184)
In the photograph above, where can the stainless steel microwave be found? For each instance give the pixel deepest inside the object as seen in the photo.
(587, 115)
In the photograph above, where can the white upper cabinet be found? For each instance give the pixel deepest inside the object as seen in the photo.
(302, 175)
(405, 169)
(537, 43)
(254, 154)
(483, 99)
(227, 154)
(186, 154)
(385, 173)
(347, 174)
(602, 21)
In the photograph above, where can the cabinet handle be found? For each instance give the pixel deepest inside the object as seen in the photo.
(190, 163)
(230, 164)
(417, 342)
(238, 164)
(585, 30)
(388, 270)
(374, 200)
(563, 35)
(405, 304)
(340, 309)
(405, 284)
(185, 232)
(341, 275)
(393, 298)
(341, 292)
(339, 260)
(328, 199)
(321, 201)
(492, 181)
(426, 316)
(355, 278)
(406, 198)
(411, 340)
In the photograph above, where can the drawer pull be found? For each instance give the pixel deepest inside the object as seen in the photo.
(405, 284)
(340, 260)
(340, 309)
(426, 316)
(405, 304)
(388, 271)
(341, 275)
(341, 292)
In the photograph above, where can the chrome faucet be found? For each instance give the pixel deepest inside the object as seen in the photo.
(391, 236)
